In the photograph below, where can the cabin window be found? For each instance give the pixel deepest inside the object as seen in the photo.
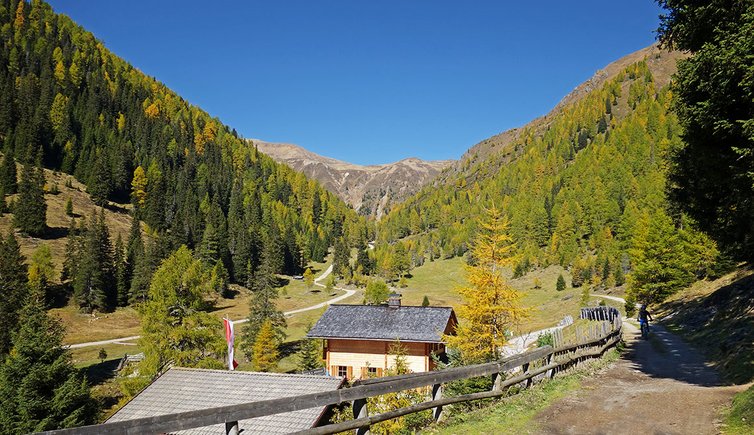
(343, 371)
(372, 371)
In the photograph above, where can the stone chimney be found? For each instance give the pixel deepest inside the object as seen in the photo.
(394, 300)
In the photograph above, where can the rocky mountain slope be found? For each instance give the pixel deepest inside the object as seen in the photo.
(369, 189)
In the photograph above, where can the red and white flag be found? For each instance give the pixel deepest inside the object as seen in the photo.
(230, 337)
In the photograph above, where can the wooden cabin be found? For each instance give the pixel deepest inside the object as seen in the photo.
(357, 338)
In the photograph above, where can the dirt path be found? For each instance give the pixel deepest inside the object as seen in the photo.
(659, 386)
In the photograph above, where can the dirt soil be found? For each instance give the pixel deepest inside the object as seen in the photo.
(659, 386)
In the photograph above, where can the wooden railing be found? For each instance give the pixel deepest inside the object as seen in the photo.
(523, 369)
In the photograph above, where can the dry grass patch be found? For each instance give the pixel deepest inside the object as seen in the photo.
(116, 216)
(81, 327)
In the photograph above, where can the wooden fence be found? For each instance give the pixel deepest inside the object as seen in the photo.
(523, 369)
(599, 313)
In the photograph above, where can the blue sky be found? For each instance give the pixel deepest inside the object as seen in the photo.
(370, 81)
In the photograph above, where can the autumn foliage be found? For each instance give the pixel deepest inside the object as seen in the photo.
(491, 306)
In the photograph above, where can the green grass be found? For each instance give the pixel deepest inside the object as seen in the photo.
(740, 419)
(88, 356)
(515, 414)
(439, 280)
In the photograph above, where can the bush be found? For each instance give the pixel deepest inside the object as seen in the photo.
(561, 284)
(630, 305)
(376, 293)
(545, 339)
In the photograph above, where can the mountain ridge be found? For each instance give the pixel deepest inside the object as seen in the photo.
(661, 62)
(370, 189)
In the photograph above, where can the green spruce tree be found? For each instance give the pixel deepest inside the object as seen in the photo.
(341, 256)
(30, 211)
(310, 353)
(13, 289)
(122, 273)
(8, 175)
(94, 283)
(39, 387)
(711, 173)
(73, 247)
(138, 264)
(262, 305)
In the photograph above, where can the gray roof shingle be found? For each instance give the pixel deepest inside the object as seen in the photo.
(181, 389)
(380, 322)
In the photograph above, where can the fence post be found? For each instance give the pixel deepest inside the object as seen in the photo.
(231, 428)
(551, 373)
(497, 381)
(525, 370)
(437, 395)
(360, 411)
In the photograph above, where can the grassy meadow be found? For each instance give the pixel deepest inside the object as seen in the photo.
(440, 279)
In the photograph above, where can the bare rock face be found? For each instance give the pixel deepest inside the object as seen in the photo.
(369, 189)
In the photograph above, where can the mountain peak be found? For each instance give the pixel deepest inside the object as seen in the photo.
(370, 189)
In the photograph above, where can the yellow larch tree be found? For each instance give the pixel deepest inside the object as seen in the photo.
(139, 186)
(265, 358)
(491, 306)
(18, 23)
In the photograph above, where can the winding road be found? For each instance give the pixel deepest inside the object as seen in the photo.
(348, 293)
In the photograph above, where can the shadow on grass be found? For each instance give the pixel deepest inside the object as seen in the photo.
(722, 326)
(116, 208)
(100, 373)
(289, 348)
(54, 233)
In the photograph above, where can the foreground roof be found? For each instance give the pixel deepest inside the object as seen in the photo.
(181, 389)
(380, 322)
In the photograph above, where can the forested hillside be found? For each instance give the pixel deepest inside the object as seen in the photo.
(69, 104)
(583, 187)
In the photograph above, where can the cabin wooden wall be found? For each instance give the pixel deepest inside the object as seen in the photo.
(359, 354)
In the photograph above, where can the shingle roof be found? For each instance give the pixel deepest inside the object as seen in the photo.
(380, 322)
(181, 389)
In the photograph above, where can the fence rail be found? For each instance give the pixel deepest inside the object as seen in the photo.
(523, 369)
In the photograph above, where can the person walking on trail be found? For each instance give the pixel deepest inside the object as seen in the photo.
(644, 317)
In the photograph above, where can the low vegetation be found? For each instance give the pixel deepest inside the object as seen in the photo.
(718, 318)
(514, 414)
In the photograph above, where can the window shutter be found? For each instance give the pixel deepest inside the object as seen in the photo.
(379, 372)
(349, 372)
(364, 373)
